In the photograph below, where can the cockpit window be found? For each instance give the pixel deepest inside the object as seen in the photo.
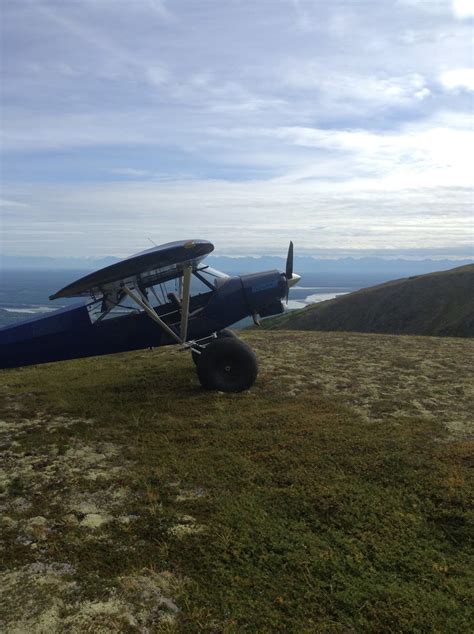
(204, 282)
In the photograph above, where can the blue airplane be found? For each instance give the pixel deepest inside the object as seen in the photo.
(130, 306)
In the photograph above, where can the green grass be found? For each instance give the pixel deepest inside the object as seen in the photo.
(258, 512)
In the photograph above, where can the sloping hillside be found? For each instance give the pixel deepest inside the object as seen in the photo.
(334, 496)
(440, 304)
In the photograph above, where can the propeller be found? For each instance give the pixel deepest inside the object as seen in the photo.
(289, 262)
(291, 278)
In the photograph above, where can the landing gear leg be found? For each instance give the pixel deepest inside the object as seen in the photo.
(225, 332)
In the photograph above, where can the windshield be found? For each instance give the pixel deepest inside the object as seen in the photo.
(208, 270)
(211, 277)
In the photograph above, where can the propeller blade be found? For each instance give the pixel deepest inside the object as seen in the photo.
(289, 262)
(289, 270)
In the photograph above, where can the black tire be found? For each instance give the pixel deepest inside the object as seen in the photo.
(227, 364)
(225, 332)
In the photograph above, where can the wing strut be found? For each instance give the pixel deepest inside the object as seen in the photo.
(185, 302)
(150, 311)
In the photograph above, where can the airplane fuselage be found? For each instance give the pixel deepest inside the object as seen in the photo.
(71, 332)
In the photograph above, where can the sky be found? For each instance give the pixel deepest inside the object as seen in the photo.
(345, 126)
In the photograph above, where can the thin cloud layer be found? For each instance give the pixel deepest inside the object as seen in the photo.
(345, 126)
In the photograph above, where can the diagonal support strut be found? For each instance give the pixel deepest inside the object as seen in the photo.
(150, 311)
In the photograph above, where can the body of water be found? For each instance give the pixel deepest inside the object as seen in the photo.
(301, 296)
(29, 310)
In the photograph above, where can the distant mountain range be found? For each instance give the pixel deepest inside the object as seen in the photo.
(354, 271)
(440, 303)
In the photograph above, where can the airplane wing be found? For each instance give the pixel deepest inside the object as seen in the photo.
(147, 268)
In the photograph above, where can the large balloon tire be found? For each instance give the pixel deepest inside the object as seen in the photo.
(227, 364)
(225, 332)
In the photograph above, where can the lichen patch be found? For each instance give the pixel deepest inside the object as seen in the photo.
(186, 525)
(187, 495)
(32, 595)
(383, 377)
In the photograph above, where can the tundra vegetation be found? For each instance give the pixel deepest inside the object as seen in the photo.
(334, 496)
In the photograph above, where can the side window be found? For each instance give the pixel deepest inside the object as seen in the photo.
(125, 307)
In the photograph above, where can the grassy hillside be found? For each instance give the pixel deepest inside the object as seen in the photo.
(439, 304)
(335, 496)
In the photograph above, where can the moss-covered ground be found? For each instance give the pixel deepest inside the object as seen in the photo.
(334, 496)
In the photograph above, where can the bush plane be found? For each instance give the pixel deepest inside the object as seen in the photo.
(130, 306)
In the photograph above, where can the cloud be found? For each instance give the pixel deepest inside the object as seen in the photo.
(248, 218)
(159, 6)
(257, 124)
(12, 204)
(130, 171)
(459, 78)
(463, 8)
(417, 155)
(351, 91)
